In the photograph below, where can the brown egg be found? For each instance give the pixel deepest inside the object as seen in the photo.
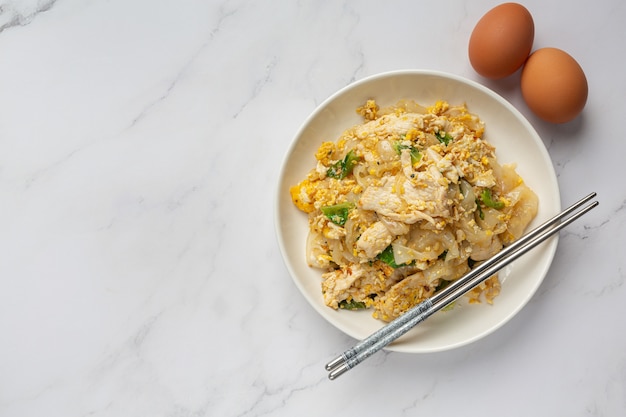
(554, 85)
(501, 40)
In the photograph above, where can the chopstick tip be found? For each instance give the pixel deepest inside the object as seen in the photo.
(335, 363)
(338, 371)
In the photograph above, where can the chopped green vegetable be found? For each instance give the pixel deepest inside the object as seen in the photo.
(443, 255)
(442, 284)
(343, 168)
(444, 137)
(338, 213)
(352, 305)
(480, 210)
(387, 257)
(449, 306)
(415, 153)
(489, 201)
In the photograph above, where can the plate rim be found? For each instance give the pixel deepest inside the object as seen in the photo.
(550, 246)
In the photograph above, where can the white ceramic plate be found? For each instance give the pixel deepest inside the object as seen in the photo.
(515, 140)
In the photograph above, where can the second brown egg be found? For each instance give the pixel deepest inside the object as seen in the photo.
(554, 85)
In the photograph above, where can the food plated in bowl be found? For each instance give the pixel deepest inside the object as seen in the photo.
(436, 99)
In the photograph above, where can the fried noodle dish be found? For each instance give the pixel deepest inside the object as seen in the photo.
(407, 202)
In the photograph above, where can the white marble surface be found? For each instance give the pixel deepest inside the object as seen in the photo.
(140, 144)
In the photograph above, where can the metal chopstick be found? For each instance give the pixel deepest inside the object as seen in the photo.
(419, 313)
(474, 272)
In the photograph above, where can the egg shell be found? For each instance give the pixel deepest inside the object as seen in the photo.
(554, 85)
(501, 40)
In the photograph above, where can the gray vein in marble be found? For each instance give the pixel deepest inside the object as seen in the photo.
(285, 393)
(621, 207)
(218, 229)
(358, 68)
(258, 86)
(29, 396)
(613, 285)
(353, 50)
(119, 359)
(41, 173)
(148, 107)
(592, 410)
(587, 230)
(614, 389)
(143, 331)
(132, 344)
(360, 62)
(108, 406)
(168, 90)
(411, 408)
(181, 198)
(559, 166)
(181, 411)
(222, 17)
(21, 13)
